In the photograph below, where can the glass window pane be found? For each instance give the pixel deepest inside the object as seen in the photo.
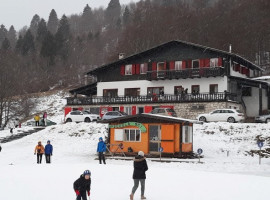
(138, 135)
(132, 135)
(126, 135)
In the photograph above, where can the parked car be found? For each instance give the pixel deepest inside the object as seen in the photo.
(222, 115)
(262, 118)
(113, 114)
(164, 111)
(79, 116)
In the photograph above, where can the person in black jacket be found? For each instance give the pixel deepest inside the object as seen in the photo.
(82, 185)
(140, 167)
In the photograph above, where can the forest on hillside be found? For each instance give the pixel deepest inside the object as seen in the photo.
(58, 51)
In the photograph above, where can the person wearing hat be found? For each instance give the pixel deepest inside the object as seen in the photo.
(39, 150)
(101, 149)
(140, 167)
(82, 185)
(48, 151)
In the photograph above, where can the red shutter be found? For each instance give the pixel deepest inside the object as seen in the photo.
(237, 67)
(219, 62)
(137, 68)
(134, 110)
(243, 70)
(80, 108)
(154, 66)
(122, 70)
(148, 109)
(201, 63)
(122, 108)
(172, 65)
(110, 109)
(189, 64)
(207, 62)
(184, 66)
(133, 69)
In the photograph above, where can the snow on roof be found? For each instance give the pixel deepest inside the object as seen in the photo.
(262, 78)
(170, 117)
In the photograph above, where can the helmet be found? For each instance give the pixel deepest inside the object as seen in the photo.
(48, 141)
(87, 172)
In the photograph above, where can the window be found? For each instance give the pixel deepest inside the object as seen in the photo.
(154, 90)
(132, 92)
(143, 68)
(195, 64)
(128, 70)
(213, 88)
(195, 89)
(128, 110)
(161, 110)
(178, 90)
(246, 91)
(132, 135)
(187, 134)
(118, 134)
(216, 112)
(178, 65)
(110, 92)
(161, 67)
(214, 62)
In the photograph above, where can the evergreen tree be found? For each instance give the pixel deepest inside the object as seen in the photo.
(3, 33)
(12, 37)
(113, 12)
(87, 19)
(126, 16)
(19, 44)
(62, 37)
(34, 25)
(53, 22)
(5, 45)
(41, 31)
(48, 49)
(28, 45)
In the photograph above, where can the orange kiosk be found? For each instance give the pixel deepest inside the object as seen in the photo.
(148, 132)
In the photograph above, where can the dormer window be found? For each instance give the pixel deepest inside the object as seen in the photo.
(128, 69)
(214, 62)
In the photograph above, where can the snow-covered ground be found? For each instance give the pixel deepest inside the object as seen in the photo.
(238, 176)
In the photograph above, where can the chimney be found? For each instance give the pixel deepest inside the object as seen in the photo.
(230, 48)
(121, 56)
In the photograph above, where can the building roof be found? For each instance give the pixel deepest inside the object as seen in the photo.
(147, 118)
(235, 57)
(86, 90)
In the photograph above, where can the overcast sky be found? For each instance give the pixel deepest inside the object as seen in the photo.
(20, 12)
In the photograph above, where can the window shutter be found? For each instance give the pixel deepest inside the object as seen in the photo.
(118, 134)
(137, 68)
(148, 109)
(154, 66)
(202, 63)
(184, 66)
(122, 70)
(133, 69)
(237, 67)
(189, 64)
(172, 65)
(219, 62)
(134, 111)
(122, 108)
(207, 62)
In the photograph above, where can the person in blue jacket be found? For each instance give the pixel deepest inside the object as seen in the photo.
(48, 151)
(101, 149)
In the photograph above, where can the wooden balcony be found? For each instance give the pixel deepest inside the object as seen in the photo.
(186, 73)
(182, 98)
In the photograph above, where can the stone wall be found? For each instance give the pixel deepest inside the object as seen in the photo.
(184, 110)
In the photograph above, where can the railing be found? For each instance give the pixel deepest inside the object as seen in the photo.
(181, 98)
(186, 73)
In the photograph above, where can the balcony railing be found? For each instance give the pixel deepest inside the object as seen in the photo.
(181, 98)
(186, 73)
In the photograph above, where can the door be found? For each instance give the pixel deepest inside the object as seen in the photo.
(155, 138)
(140, 110)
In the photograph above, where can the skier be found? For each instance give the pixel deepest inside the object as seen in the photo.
(101, 149)
(48, 151)
(140, 167)
(82, 185)
(39, 150)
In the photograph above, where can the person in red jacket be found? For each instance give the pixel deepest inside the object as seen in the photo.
(82, 185)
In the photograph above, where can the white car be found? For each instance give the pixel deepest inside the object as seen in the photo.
(79, 116)
(222, 115)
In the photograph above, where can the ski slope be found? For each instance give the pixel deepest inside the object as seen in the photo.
(218, 178)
